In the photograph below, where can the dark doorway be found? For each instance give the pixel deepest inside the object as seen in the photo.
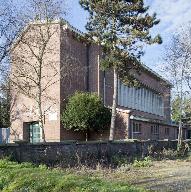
(189, 134)
(32, 132)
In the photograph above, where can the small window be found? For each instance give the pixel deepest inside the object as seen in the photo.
(136, 127)
(167, 131)
(155, 129)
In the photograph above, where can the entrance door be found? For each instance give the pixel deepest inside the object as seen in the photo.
(35, 133)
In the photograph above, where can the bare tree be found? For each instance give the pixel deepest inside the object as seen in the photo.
(34, 72)
(178, 67)
(10, 27)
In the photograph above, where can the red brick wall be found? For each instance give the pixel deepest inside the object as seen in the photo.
(146, 131)
(80, 53)
(80, 64)
(121, 131)
(80, 71)
(23, 108)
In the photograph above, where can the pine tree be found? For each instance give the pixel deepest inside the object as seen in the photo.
(121, 28)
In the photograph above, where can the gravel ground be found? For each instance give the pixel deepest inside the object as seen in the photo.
(163, 176)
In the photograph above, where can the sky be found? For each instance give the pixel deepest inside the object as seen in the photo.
(172, 14)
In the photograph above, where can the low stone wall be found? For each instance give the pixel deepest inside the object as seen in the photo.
(84, 153)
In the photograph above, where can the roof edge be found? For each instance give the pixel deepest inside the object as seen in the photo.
(75, 30)
(156, 74)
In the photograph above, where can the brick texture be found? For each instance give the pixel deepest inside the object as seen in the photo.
(78, 66)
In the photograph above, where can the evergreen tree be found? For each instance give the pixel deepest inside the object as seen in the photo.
(85, 112)
(121, 28)
(4, 113)
(4, 105)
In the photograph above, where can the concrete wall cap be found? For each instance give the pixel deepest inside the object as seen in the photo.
(123, 110)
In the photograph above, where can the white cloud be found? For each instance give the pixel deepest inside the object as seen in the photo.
(172, 13)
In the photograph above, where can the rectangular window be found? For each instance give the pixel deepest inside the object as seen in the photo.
(155, 129)
(167, 131)
(136, 127)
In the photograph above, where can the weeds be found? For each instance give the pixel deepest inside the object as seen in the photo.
(146, 162)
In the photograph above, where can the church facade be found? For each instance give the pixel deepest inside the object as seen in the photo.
(142, 113)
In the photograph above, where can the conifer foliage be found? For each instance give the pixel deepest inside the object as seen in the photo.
(121, 28)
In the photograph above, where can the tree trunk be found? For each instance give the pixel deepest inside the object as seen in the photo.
(179, 135)
(41, 124)
(179, 145)
(113, 117)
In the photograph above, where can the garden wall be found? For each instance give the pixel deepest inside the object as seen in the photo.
(84, 153)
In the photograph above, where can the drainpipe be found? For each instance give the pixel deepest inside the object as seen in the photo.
(104, 88)
(131, 127)
(98, 75)
(87, 66)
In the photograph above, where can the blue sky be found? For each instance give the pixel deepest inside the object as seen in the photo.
(172, 13)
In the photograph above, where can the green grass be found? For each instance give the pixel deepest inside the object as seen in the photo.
(26, 177)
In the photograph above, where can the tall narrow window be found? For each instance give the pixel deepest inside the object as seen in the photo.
(167, 131)
(154, 129)
(136, 127)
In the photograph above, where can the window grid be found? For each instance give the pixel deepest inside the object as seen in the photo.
(136, 127)
(142, 99)
(167, 131)
(154, 129)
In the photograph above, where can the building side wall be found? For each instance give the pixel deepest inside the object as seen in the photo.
(24, 110)
(146, 133)
(79, 72)
(78, 66)
(121, 131)
(95, 74)
(74, 63)
(149, 82)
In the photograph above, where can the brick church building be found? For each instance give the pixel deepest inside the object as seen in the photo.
(142, 113)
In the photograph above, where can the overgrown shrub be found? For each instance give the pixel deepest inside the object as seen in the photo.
(85, 112)
(120, 160)
(166, 153)
(169, 154)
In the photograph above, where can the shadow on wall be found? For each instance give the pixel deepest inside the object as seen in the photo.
(121, 130)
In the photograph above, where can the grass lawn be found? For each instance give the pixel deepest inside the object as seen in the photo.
(26, 177)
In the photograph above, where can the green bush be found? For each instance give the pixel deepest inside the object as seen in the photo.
(118, 161)
(146, 162)
(27, 177)
(85, 112)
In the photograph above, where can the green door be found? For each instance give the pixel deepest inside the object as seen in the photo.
(35, 133)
